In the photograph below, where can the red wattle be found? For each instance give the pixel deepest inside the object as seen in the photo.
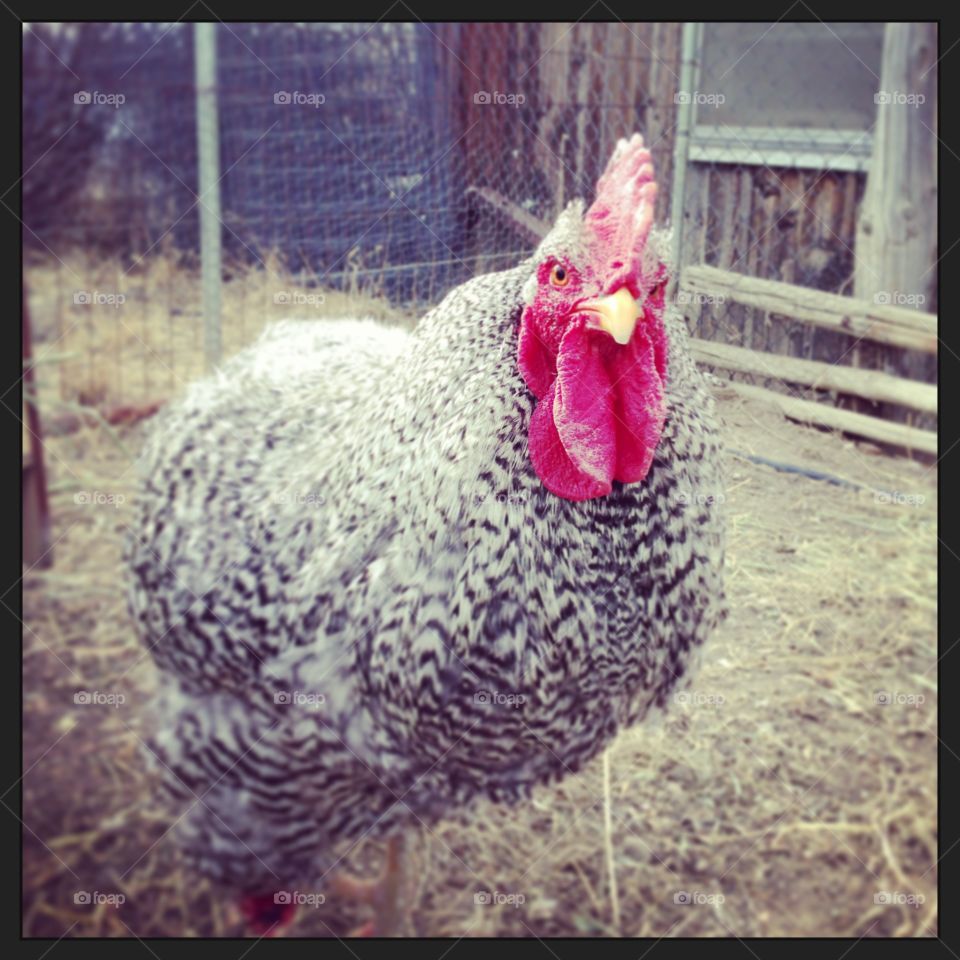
(572, 437)
(538, 366)
(600, 412)
(554, 466)
(640, 407)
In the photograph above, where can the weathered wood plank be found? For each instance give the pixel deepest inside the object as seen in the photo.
(531, 227)
(883, 323)
(819, 414)
(871, 384)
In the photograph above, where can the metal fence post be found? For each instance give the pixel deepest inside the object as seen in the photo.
(208, 154)
(690, 45)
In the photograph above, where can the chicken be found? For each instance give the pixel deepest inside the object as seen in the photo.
(385, 574)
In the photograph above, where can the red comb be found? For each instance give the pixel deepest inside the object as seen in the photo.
(621, 216)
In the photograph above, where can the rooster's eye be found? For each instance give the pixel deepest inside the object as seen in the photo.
(559, 276)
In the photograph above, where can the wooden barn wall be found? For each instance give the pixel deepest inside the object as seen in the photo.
(585, 86)
(798, 226)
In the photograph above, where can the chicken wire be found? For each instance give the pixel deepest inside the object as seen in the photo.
(782, 118)
(370, 168)
(386, 163)
(780, 141)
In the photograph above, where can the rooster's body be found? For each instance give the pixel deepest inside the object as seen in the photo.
(368, 605)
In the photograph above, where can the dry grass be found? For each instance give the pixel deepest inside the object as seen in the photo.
(781, 795)
(149, 344)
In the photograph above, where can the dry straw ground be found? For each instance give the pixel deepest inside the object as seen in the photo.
(792, 791)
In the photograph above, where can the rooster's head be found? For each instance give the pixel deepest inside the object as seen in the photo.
(592, 348)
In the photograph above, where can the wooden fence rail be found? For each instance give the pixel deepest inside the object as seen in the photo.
(883, 323)
(871, 384)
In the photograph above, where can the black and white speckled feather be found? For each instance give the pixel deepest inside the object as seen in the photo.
(368, 610)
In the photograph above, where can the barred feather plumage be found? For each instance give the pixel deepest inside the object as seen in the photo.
(366, 607)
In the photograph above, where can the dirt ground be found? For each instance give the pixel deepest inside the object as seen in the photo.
(790, 792)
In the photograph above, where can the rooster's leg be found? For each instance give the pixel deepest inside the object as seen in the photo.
(385, 894)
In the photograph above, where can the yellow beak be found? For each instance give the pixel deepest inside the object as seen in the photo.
(617, 314)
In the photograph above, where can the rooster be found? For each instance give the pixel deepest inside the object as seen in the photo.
(385, 574)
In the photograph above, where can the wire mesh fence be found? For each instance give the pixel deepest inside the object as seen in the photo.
(783, 125)
(780, 142)
(370, 168)
(363, 168)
